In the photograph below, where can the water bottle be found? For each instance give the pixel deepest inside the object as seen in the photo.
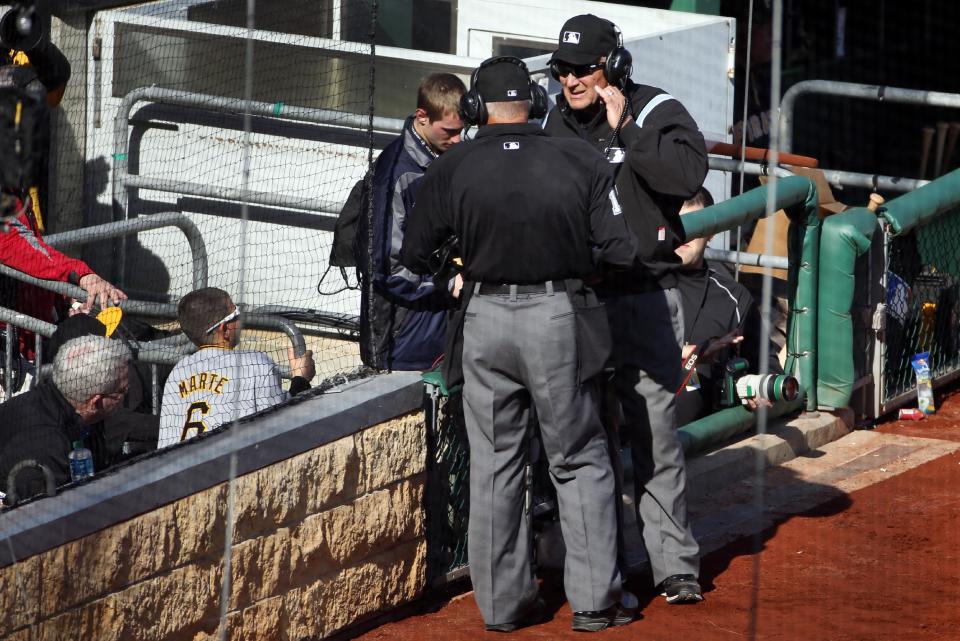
(81, 462)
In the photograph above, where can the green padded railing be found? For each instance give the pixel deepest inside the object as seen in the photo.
(923, 266)
(923, 286)
(844, 238)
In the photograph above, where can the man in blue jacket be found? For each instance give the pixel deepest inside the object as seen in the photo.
(403, 327)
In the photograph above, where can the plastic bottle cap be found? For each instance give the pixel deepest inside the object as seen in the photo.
(77, 445)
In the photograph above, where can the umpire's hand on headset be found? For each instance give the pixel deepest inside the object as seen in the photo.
(616, 102)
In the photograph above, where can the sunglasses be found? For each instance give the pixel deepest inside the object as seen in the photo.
(565, 69)
(235, 314)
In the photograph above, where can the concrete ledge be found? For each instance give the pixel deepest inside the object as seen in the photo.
(784, 440)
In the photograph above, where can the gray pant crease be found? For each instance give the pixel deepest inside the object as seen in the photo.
(517, 353)
(647, 334)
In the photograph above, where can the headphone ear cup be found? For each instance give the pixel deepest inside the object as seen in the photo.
(472, 110)
(539, 101)
(618, 67)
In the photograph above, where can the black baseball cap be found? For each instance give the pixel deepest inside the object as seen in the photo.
(585, 39)
(502, 79)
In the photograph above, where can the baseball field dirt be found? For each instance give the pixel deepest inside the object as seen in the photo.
(876, 557)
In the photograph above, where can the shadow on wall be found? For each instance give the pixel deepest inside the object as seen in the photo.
(145, 271)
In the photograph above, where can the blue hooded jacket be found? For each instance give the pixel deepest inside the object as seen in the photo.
(406, 326)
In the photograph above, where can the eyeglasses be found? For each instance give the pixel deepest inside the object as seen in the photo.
(579, 71)
(235, 314)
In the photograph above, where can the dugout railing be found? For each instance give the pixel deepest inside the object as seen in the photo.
(892, 277)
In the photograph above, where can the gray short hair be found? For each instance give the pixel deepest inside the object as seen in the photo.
(511, 110)
(89, 365)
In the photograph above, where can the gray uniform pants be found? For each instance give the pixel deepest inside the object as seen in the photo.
(647, 334)
(517, 351)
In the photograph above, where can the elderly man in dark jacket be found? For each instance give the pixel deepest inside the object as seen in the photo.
(657, 153)
(90, 379)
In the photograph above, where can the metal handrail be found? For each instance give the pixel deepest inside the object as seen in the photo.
(878, 93)
(143, 308)
(122, 179)
(875, 182)
(143, 223)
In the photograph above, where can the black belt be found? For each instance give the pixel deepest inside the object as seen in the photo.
(489, 289)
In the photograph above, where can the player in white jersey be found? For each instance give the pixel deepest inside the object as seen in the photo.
(218, 383)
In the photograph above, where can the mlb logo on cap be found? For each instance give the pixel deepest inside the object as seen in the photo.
(510, 146)
(511, 93)
(571, 37)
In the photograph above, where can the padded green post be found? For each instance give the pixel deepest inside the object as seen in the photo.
(845, 237)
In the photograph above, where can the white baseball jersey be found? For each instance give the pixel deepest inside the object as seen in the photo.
(214, 386)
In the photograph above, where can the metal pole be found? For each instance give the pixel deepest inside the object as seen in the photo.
(854, 90)
(143, 223)
(37, 359)
(744, 258)
(8, 369)
(247, 196)
(155, 389)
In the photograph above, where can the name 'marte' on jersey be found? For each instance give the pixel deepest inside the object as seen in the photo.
(203, 382)
(213, 387)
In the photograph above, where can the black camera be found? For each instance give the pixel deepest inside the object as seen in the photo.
(738, 386)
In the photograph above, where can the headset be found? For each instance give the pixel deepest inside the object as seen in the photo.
(473, 111)
(618, 66)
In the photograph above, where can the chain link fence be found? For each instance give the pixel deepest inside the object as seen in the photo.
(923, 304)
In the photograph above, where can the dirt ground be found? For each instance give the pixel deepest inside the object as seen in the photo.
(881, 563)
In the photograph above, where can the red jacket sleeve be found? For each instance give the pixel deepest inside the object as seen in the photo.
(22, 248)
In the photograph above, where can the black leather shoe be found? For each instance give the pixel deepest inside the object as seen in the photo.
(681, 588)
(536, 613)
(616, 615)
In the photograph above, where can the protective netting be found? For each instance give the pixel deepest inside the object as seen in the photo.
(923, 303)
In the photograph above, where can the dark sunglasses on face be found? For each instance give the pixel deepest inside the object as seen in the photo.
(565, 69)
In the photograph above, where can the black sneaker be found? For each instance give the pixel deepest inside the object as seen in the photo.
(536, 613)
(616, 615)
(681, 588)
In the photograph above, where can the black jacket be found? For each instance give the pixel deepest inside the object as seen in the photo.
(714, 305)
(527, 208)
(664, 164)
(40, 425)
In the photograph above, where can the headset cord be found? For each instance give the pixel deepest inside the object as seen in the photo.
(616, 130)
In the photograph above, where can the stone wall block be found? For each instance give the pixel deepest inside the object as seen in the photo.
(178, 605)
(113, 558)
(263, 621)
(333, 475)
(374, 522)
(310, 554)
(260, 568)
(389, 579)
(99, 620)
(290, 490)
(19, 595)
(307, 610)
(393, 451)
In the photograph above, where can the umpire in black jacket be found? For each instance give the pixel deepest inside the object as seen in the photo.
(534, 215)
(658, 154)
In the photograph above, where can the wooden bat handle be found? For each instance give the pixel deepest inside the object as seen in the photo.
(951, 145)
(759, 155)
(875, 201)
(926, 139)
(938, 153)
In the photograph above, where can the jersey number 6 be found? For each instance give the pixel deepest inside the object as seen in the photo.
(195, 423)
